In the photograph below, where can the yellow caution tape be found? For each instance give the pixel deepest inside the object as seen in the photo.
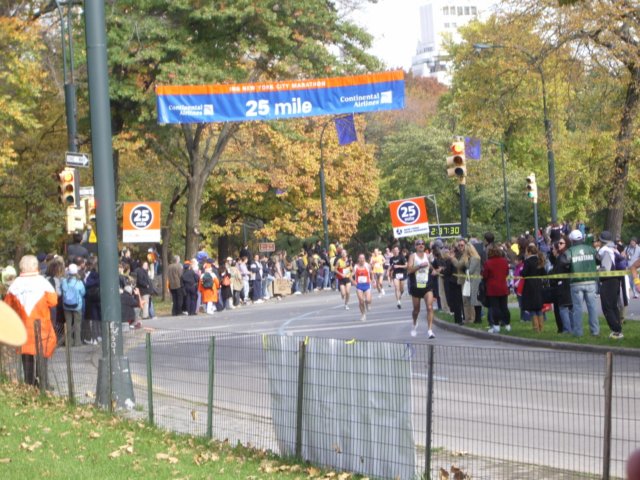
(587, 275)
(264, 341)
(306, 340)
(350, 342)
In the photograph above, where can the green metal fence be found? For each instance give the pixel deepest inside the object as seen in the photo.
(381, 409)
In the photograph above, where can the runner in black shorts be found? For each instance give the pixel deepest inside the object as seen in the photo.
(343, 274)
(421, 286)
(398, 272)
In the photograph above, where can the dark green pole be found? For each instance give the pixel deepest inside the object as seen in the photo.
(323, 192)
(212, 372)
(463, 209)
(96, 37)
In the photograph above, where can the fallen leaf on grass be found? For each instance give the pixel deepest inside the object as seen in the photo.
(167, 457)
(90, 394)
(32, 447)
(94, 435)
(115, 454)
(5, 460)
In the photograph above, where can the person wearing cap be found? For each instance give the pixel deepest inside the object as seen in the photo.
(31, 296)
(73, 313)
(609, 286)
(582, 260)
(174, 281)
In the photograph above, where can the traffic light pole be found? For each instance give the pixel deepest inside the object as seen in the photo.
(114, 377)
(463, 209)
(535, 221)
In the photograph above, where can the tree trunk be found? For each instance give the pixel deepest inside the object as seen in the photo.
(194, 206)
(615, 212)
(167, 231)
(202, 161)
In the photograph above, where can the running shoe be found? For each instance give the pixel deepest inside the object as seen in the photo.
(399, 305)
(430, 334)
(363, 318)
(414, 331)
(346, 307)
(507, 328)
(616, 335)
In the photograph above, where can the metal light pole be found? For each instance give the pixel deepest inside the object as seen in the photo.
(323, 192)
(536, 62)
(114, 375)
(504, 185)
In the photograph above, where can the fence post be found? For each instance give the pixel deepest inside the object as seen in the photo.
(67, 354)
(212, 351)
(608, 397)
(149, 377)
(427, 443)
(39, 360)
(301, 362)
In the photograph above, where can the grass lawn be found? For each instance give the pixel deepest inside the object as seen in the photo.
(45, 438)
(630, 329)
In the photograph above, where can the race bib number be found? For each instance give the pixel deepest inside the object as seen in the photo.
(346, 272)
(363, 279)
(399, 276)
(422, 278)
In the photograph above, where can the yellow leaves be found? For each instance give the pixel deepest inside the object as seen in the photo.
(93, 435)
(28, 446)
(205, 457)
(167, 457)
(5, 460)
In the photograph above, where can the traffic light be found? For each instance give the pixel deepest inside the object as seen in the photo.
(532, 188)
(91, 209)
(456, 163)
(67, 187)
(76, 218)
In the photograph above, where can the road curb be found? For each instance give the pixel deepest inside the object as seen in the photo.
(471, 332)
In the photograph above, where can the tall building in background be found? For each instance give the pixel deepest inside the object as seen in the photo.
(438, 20)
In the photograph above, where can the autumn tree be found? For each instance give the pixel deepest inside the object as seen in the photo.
(187, 42)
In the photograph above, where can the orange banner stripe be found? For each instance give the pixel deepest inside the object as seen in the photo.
(280, 86)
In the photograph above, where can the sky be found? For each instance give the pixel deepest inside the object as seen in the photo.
(395, 25)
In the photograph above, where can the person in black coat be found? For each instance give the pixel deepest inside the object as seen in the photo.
(190, 281)
(561, 287)
(532, 291)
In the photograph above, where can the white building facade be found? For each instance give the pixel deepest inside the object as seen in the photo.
(440, 19)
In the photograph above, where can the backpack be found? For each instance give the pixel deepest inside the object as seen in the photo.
(207, 280)
(70, 296)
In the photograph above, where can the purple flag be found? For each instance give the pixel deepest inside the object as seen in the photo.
(472, 148)
(346, 129)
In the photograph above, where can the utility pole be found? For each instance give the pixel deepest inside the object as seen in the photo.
(114, 377)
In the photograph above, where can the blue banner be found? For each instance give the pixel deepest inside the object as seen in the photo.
(280, 100)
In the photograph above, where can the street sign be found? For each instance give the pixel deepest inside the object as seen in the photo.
(87, 191)
(141, 222)
(445, 230)
(267, 246)
(409, 217)
(77, 159)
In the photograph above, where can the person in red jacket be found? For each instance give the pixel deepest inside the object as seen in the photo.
(495, 272)
(32, 297)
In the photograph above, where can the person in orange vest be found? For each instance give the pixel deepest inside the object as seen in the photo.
(208, 287)
(31, 296)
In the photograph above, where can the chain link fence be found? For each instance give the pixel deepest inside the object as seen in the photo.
(384, 410)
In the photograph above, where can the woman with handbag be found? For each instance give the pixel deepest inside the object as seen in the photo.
(470, 303)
